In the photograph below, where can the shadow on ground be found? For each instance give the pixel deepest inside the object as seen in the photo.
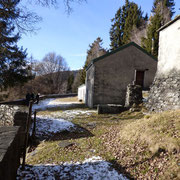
(78, 132)
(121, 169)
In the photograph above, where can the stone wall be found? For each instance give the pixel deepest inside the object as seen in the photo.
(133, 95)
(165, 93)
(9, 152)
(12, 134)
(110, 108)
(8, 114)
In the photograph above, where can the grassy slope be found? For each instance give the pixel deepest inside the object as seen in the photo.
(142, 146)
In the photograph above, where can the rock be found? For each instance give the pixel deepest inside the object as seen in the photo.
(91, 125)
(92, 150)
(65, 144)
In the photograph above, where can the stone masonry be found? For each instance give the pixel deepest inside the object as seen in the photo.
(165, 93)
(12, 133)
(7, 114)
(133, 95)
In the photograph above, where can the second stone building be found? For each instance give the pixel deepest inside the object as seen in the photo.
(107, 77)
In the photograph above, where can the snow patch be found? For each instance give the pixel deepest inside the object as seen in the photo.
(94, 168)
(71, 114)
(45, 126)
(51, 103)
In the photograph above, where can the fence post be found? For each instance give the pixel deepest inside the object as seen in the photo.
(34, 127)
(27, 134)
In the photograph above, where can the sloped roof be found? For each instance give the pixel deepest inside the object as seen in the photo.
(119, 49)
(169, 23)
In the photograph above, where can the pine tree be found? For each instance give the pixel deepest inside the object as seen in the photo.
(95, 50)
(12, 59)
(116, 31)
(126, 18)
(162, 12)
(134, 19)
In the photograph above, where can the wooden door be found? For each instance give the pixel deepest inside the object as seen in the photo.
(140, 78)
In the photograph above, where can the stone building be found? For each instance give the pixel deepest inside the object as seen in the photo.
(165, 91)
(82, 92)
(107, 76)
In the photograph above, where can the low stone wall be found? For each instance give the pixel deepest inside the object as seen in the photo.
(12, 135)
(9, 115)
(14, 116)
(133, 95)
(18, 102)
(164, 93)
(9, 152)
(110, 108)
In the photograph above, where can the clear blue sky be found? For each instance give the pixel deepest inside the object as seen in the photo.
(70, 36)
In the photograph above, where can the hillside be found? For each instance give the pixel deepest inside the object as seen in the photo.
(137, 144)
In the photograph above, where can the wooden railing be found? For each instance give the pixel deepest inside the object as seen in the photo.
(28, 123)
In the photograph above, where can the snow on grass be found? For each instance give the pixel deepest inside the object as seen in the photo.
(45, 126)
(51, 103)
(71, 114)
(94, 168)
(44, 104)
(54, 121)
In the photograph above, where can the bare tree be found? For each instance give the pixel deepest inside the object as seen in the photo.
(52, 68)
(27, 20)
(67, 3)
(21, 18)
(138, 33)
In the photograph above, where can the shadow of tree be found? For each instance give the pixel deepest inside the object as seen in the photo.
(121, 169)
(76, 133)
(156, 154)
(79, 132)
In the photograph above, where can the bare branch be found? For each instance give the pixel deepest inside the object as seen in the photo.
(27, 20)
(67, 3)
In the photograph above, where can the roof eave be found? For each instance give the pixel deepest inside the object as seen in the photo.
(169, 23)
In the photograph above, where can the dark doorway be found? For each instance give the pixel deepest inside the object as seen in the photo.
(139, 78)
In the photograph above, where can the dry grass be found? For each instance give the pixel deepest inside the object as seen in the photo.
(161, 130)
(68, 99)
(145, 146)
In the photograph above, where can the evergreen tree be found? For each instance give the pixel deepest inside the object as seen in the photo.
(70, 82)
(162, 12)
(126, 18)
(165, 6)
(95, 50)
(134, 18)
(12, 59)
(116, 31)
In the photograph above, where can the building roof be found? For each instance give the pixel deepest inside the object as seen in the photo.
(169, 23)
(119, 49)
